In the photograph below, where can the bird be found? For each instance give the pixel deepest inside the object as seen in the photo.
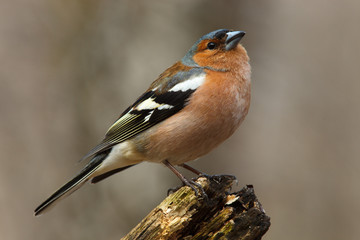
(190, 109)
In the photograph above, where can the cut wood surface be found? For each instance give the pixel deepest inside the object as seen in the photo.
(223, 215)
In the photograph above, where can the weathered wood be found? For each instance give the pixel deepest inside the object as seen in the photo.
(183, 215)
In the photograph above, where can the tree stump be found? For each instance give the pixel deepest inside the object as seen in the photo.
(224, 215)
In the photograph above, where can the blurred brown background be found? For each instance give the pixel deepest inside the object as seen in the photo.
(69, 68)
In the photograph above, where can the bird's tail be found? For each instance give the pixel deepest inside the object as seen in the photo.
(72, 185)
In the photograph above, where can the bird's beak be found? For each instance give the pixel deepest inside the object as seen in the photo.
(232, 39)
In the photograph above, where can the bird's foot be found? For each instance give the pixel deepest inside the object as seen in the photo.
(196, 187)
(216, 178)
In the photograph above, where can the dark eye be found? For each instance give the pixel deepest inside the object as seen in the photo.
(211, 45)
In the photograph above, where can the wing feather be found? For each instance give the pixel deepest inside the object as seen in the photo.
(150, 109)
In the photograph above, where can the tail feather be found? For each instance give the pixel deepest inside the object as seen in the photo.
(72, 185)
(109, 173)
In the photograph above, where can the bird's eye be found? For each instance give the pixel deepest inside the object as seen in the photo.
(211, 45)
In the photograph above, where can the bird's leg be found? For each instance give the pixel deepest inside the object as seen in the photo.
(191, 169)
(186, 182)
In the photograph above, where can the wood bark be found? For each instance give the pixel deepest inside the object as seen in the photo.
(222, 215)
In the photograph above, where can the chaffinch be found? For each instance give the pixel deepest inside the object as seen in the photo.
(190, 109)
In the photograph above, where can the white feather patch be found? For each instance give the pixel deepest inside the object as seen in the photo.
(121, 155)
(190, 84)
(148, 116)
(165, 106)
(149, 104)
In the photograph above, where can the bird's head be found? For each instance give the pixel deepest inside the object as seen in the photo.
(217, 50)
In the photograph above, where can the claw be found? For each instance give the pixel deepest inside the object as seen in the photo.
(203, 193)
(194, 186)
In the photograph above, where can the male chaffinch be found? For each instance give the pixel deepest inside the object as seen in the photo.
(190, 109)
